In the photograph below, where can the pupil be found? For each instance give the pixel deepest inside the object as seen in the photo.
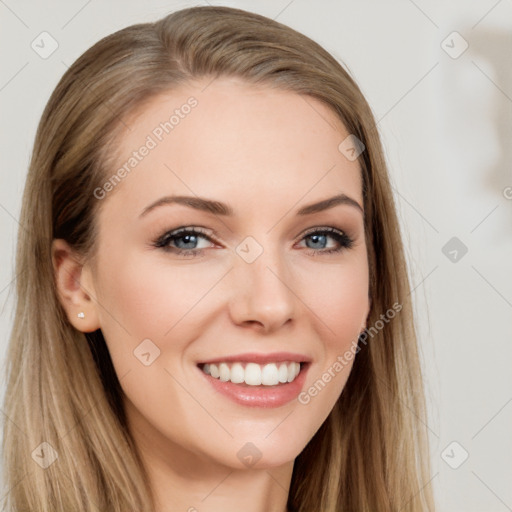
(188, 238)
(316, 238)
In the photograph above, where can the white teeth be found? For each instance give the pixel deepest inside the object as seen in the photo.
(254, 374)
(291, 371)
(237, 373)
(224, 372)
(283, 373)
(214, 371)
(269, 375)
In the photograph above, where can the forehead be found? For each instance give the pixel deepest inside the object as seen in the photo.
(227, 138)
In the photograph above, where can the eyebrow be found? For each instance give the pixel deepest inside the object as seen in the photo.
(219, 208)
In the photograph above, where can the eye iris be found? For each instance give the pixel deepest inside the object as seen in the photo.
(316, 238)
(190, 240)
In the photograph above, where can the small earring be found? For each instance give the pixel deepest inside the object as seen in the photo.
(81, 314)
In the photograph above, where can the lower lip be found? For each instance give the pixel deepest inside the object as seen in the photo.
(260, 396)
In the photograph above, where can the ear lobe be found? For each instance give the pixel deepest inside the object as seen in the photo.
(75, 295)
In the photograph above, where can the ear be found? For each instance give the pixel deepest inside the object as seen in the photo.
(75, 287)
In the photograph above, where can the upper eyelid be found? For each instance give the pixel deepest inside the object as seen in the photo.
(209, 234)
(324, 228)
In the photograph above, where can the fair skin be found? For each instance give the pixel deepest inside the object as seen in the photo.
(266, 153)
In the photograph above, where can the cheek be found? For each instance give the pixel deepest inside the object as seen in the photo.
(338, 296)
(147, 296)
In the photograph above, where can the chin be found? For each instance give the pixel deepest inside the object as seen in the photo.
(265, 451)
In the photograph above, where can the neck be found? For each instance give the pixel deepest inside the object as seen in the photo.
(183, 480)
(228, 490)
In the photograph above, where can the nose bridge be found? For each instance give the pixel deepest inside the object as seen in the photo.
(262, 293)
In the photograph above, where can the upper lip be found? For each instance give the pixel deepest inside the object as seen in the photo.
(274, 357)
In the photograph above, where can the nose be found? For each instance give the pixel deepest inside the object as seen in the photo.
(263, 293)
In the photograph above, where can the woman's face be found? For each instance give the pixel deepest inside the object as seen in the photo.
(261, 283)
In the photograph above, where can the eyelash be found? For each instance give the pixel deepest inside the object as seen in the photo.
(163, 241)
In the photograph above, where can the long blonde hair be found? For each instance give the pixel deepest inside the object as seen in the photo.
(370, 454)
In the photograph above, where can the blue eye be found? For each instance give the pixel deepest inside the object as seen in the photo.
(183, 241)
(187, 235)
(320, 236)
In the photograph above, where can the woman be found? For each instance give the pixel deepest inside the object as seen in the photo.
(213, 304)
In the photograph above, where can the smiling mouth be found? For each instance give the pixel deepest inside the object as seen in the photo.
(253, 374)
